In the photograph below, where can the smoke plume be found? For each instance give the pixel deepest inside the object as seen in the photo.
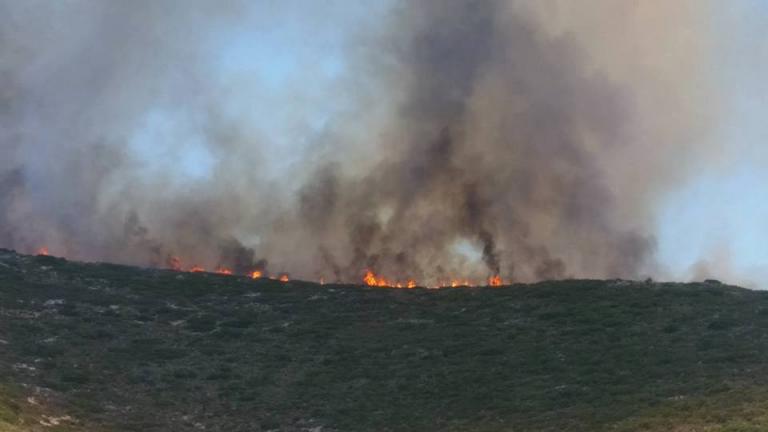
(464, 138)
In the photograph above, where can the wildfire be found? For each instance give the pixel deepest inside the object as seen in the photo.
(371, 279)
(223, 270)
(495, 280)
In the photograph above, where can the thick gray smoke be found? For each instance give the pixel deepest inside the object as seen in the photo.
(476, 138)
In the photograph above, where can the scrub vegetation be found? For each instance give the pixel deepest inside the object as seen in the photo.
(102, 347)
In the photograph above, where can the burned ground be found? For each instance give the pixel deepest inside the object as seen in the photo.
(105, 347)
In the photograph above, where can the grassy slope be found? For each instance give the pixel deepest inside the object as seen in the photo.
(125, 349)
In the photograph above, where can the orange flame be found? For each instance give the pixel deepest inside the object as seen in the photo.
(371, 279)
(223, 270)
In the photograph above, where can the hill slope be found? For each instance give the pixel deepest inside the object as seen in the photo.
(91, 347)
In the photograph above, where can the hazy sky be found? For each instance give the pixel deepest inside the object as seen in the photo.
(722, 215)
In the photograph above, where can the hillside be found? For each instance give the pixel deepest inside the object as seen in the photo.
(101, 347)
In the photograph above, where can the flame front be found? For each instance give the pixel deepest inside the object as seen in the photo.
(495, 281)
(371, 279)
(223, 270)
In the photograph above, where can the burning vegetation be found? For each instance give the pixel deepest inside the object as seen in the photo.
(369, 278)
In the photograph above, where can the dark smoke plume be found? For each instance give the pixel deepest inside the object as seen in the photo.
(487, 174)
(478, 138)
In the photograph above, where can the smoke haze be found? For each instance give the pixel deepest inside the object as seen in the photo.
(460, 138)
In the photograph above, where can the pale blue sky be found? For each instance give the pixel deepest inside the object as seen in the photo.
(721, 215)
